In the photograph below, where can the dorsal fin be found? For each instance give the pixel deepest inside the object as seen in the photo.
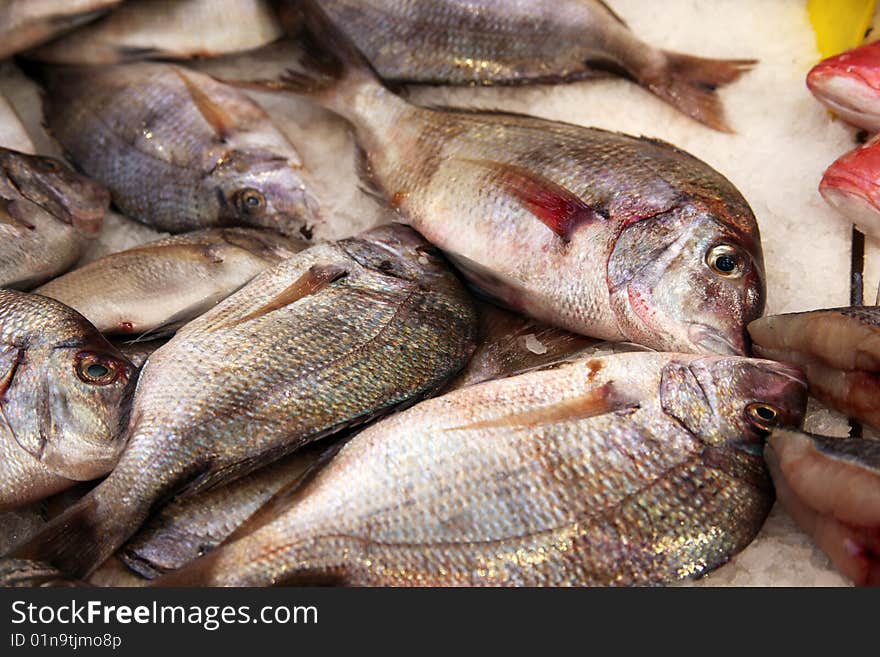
(220, 121)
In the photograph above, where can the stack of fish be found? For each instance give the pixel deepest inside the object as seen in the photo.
(503, 446)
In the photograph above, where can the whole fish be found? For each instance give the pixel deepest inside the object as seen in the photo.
(524, 41)
(603, 234)
(838, 349)
(28, 23)
(186, 529)
(64, 393)
(632, 469)
(178, 149)
(849, 85)
(24, 573)
(167, 29)
(332, 337)
(47, 213)
(159, 286)
(850, 186)
(511, 344)
(831, 487)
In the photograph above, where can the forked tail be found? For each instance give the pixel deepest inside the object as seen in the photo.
(690, 84)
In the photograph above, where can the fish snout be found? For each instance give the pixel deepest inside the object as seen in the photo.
(710, 340)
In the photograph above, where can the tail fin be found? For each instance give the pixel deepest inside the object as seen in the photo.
(330, 59)
(80, 539)
(690, 83)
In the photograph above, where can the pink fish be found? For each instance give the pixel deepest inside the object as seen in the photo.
(849, 85)
(852, 186)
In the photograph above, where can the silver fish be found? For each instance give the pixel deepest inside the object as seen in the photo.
(157, 287)
(632, 469)
(64, 393)
(178, 149)
(332, 337)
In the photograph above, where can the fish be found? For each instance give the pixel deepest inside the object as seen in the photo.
(850, 186)
(500, 42)
(26, 23)
(167, 29)
(138, 351)
(631, 469)
(64, 393)
(838, 349)
(157, 287)
(179, 150)
(24, 573)
(333, 337)
(48, 213)
(19, 525)
(512, 344)
(186, 529)
(603, 234)
(849, 85)
(831, 488)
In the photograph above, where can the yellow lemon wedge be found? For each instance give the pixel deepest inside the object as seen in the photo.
(840, 24)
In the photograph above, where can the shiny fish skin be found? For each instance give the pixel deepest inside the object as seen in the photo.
(167, 29)
(330, 338)
(849, 185)
(179, 150)
(47, 211)
(599, 233)
(838, 349)
(526, 41)
(28, 23)
(159, 286)
(631, 469)
(61, 420)
(186, 529)
(849, 85)
(831, 487)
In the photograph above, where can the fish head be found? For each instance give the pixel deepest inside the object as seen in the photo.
(850, 185)
(65, 397)
(730, 401)
(684, 281)
(849, 85)
(58, 189)
(399, 252)
(260, 188)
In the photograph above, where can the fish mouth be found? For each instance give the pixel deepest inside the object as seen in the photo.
(844, 196)
(708, 339)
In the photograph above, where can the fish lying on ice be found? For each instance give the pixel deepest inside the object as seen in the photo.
(838, 349)
(600, 233)
(332, 337)
(64, 393)
(514, 42)
(159, 286)
(831, 487)
(632, 469)
(178, 149)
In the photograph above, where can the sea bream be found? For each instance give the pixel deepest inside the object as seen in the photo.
(851, 185)
(632, 469)
(156, 287)
(600, 233)
(167, 29)
(334, 336)
(64, 393)
(178, 149)
(48, 212)
(526, 41)
(838, 349)
(831, 487)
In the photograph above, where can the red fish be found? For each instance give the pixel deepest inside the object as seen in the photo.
(849, 85)
(852, 186)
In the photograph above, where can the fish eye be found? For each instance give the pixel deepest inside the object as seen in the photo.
(96, 370)
(763, 416)
(249, 200)
(726, 260)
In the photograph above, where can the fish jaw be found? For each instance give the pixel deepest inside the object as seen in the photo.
(850, 185)
(849, 85)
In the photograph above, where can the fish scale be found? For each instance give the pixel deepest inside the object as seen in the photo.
(435, 496)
